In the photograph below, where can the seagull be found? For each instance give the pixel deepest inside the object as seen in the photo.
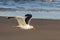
(23, 22)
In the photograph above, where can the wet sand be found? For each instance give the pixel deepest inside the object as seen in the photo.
(44, 30)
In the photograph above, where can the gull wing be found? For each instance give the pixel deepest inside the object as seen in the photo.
(21, 20)
(22, 23)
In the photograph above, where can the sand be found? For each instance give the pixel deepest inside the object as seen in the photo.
(44, 30)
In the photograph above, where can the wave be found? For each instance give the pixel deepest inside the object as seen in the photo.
(29, 5)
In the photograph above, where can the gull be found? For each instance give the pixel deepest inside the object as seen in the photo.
(23, 22)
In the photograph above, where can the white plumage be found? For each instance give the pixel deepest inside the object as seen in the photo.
(22, 23)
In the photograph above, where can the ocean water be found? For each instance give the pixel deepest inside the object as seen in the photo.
(35, 14)
(39, 7)
(32, 5)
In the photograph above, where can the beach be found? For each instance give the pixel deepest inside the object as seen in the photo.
(44, 29)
